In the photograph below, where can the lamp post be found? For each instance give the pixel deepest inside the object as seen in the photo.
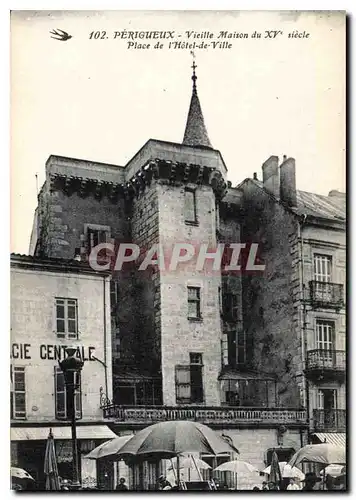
(71, 368)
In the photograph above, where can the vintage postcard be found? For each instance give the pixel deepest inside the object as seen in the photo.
(178, 265)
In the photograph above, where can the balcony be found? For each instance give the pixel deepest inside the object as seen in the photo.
(326, 295)
(212, 416)
(323, 363)
(329, 420)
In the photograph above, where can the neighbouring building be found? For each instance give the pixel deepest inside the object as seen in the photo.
(222, 348)
(297, 310)
(57, 303)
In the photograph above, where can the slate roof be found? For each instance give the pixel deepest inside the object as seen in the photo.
(195, 131)
(318, 205)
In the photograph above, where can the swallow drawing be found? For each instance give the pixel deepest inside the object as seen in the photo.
(60, 35)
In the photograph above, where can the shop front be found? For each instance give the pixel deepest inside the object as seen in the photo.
(28, 445)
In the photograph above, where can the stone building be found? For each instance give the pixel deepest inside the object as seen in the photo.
(217, 346)
(54, 304)
(296, 311)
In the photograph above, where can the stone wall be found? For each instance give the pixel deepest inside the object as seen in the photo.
(180, 336)
(270, 311)
(145, 233)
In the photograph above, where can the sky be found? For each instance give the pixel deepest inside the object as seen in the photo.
(99, 100)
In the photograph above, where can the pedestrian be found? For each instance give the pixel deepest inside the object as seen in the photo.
(163, 483)
(310, 481)
(122, 486)
(273, 486)
(264, 486)
(292, 485)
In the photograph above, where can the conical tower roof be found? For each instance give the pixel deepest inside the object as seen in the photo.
(195, 131)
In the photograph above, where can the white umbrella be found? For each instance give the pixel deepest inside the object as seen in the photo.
(236, 466)
(188, 463)
(20, 473)
(287, 471)
(333, 470)
(323, 453)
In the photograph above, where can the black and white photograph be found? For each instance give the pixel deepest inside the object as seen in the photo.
(178, 251)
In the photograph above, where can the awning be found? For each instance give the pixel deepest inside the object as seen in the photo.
(337, 438)
(41, 433)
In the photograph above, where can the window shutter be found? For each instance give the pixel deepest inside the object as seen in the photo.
(19, 392)
(183, 389)
(60, 394)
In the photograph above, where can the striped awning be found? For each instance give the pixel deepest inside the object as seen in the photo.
(41, 433)
(338, 438)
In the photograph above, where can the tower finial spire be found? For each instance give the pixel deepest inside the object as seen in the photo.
(195, 131)
(194, 76)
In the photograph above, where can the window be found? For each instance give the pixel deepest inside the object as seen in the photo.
(229, 308)
(325, 339)
(183, 393)
(194, 303)
(61, 405)
(324, 334)
(189, 381)
(322, 268)
(241, 348)
(95, 237)
(190, 210)
(196, 377)
(327, 399)
(66, 318)
(114, 294)
(225, 349)
(18, 396)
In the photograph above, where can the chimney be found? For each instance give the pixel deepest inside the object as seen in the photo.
(271, 175)
(288, 189)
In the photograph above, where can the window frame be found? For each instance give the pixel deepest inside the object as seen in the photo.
(18, 414)
(88, 228)
(196, 301)
(63, 415)
(325, 260)
(193, 209)
(323, 343)
(66, 334)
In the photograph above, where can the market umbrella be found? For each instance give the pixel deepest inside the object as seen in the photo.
(20, 477)
(275, 475)
(50, 465)
(169, 439)
(323, 453)
(237, 466)
(333, 470)
(188, 463)
(109, 449)
(287, 471)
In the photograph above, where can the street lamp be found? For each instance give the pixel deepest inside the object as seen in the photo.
(71, 367)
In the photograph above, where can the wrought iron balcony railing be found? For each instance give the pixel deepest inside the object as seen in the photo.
(326, 294)
(329, 420)
(204, 415)
(326, 360)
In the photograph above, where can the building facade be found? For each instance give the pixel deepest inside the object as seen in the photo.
(225, 348)
(54, 304)
(301, 304)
